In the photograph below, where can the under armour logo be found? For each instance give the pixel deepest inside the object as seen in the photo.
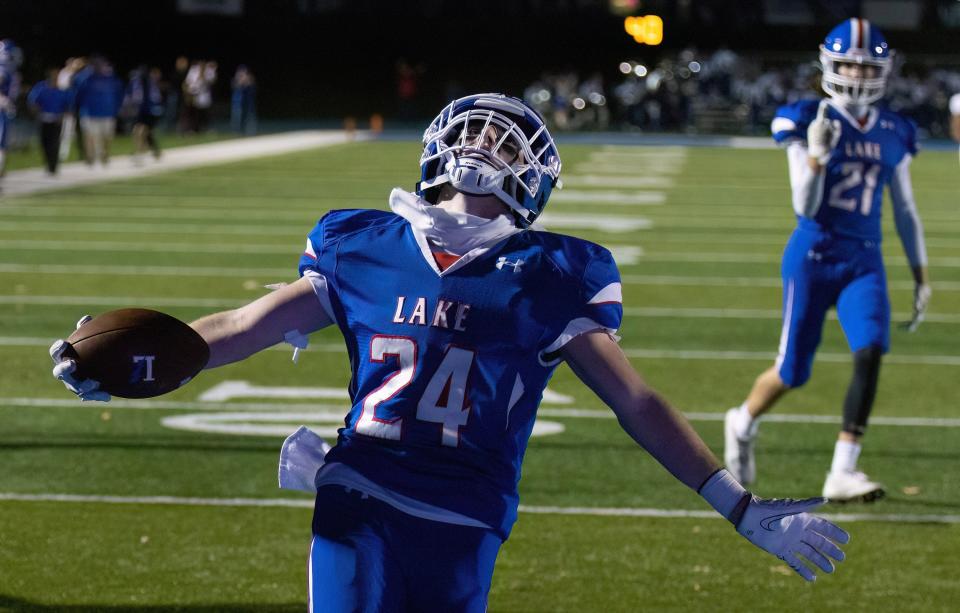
(505, 262)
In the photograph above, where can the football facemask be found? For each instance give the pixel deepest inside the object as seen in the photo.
(491, 144)
(855, 43)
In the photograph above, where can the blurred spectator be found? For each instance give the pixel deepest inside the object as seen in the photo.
(66, 81)
(50, 104)
(408, 88)
(198, 94)
(99, 98)
(720, 92)
(145, 100)
(10, 59)
(955, 117)
(243, 102)
(176, 107)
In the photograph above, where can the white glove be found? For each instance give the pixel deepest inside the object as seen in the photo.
(822, 134)
(921, 300)
(785, 528)
(301, 456)
(86, 389)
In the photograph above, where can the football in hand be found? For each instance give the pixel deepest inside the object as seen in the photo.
(137, 353)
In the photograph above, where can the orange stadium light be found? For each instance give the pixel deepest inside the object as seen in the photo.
(646, 30)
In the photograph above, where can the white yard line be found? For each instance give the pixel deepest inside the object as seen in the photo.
(303, 503)
(604, 197)
(129, 301)
(151, 247)
(713, 281)
(592, 180)
(159, 404)
(625, 255)
(668, 312)
(724, 313)
(632, 352)
(607, 223)
(83, 228)
(276, 274)
(761, 356)
(35, 180)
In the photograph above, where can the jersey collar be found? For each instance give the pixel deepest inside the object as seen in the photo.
(866, 125)
(473, 242)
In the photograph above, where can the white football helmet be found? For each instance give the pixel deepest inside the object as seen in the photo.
(491, 144)
(858, 42)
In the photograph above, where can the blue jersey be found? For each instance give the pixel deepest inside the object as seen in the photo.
(51, 101)
(100, 96)
(448, 368)
(860, 165)
(9, 82)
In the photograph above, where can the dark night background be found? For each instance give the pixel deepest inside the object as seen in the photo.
(330, 58)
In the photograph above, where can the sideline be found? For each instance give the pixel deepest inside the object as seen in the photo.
(34, 180)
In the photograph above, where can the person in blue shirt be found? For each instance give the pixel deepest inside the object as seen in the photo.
(99, 98)
(243, 102)
(144, 98)
(10, 59)
(50, 104)
(842, 152)
(456, 310)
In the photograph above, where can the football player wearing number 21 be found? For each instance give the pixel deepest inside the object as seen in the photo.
(456, 310)
(841, 151)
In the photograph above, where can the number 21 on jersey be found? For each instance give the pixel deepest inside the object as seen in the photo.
(855, 174)
(444, 399)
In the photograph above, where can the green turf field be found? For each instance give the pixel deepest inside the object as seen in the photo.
(702, 303)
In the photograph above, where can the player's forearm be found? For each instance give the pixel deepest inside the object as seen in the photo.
(663, 432)
(806, 180)
(905, 216)
(229, 337)
(237, 334)
(667, 436)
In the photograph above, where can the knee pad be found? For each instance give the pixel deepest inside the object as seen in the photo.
(862, 390)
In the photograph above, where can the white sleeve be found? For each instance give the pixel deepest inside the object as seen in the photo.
(806, 186)
(905, 215)
(322, 290)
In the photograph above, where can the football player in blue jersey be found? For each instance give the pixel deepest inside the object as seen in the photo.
(10, 59)
(456, 312)
(842, 151)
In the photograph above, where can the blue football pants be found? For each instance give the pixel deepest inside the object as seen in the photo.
(819, 272)
(369, 557)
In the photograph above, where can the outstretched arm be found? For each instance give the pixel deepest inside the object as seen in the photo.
(784, 528)
(287, 314)
(237, 334)
(599, 362)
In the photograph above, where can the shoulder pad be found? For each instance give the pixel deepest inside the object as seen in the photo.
(791, 120)
(341, 222)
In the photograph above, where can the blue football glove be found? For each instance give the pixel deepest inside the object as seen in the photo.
(63, 369)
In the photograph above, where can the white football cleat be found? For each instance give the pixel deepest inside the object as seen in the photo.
(851, 486)
(737, 452)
